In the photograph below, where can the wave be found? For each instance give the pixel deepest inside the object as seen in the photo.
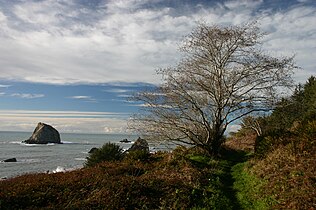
(16, 142)
(48, 144)
(69, 142)
(81, 143)
(60, 169)
(81, 159)
(29, 160)
(31, 145)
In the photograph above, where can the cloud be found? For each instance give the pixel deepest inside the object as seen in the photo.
(65, 122)
(80, 97)
(116, 90)
(27, 95)
(66, 42)
(84, 98)
(70, 114)
(232, 128)
(242, 4)
(4, 86)
(124, 96)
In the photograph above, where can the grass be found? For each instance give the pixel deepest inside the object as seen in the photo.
(223, 195)
(290, 177)
(178, 180)
(249, 188)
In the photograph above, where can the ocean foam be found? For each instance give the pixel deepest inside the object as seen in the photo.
(59, 169)
(81, 159)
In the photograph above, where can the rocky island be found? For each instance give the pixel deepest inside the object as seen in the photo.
(44, 134)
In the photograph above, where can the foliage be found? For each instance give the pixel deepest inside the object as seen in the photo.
(108, 152)
(249, 189)
(289, 171)
(301, 106)
(284, 167)
(282, 176)
(243, 140)
(164, 181)
(293, 116)
(223, 76)
(140, 155)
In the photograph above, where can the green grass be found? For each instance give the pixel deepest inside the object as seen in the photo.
(249, 189)
(219, 192)
(213, 195)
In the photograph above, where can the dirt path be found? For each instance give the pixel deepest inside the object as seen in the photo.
(229, 159)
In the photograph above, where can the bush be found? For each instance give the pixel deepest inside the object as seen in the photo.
(125, 184)
(139, 155)
(108, 152)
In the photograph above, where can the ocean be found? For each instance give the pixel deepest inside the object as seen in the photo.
(51, 158)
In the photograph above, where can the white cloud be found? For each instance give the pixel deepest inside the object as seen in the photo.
(80, 97)
(27, 95)
(125, 40)
(232, 128)
(116, 90)
(65, 122)
(84, 98)
(69, 114)
(124, 96)
(242, 4)
(3, 18)
(4, 86)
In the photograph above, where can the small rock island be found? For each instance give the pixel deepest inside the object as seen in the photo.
(44, 134)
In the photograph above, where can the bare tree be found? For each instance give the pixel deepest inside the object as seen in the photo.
(253, 123)
(223, 76)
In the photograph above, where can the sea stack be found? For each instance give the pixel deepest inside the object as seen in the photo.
(44, 134)
(139, 145)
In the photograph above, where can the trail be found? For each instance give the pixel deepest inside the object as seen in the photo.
(229, 159)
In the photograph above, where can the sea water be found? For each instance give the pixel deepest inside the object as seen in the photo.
(32, 158)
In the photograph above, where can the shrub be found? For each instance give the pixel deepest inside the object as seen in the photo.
(139, 155)
(108, 152)
(122, 184)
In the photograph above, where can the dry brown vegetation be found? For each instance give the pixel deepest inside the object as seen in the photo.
(242, 141)
(290, 172)
(164, 181)
(286, 171)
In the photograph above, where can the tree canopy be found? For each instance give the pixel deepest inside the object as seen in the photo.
(224, 75)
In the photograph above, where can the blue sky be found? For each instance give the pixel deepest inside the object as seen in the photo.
(73, 63)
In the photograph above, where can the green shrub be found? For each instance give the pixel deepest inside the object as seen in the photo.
(108, 152)
(263, 145)
(139, 155)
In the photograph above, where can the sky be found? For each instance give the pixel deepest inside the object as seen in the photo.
(75, 63)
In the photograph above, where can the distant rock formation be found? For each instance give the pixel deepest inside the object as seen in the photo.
(140, 145)
(9, 160)
(125, 141)
(93, 149)
(44, 134)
